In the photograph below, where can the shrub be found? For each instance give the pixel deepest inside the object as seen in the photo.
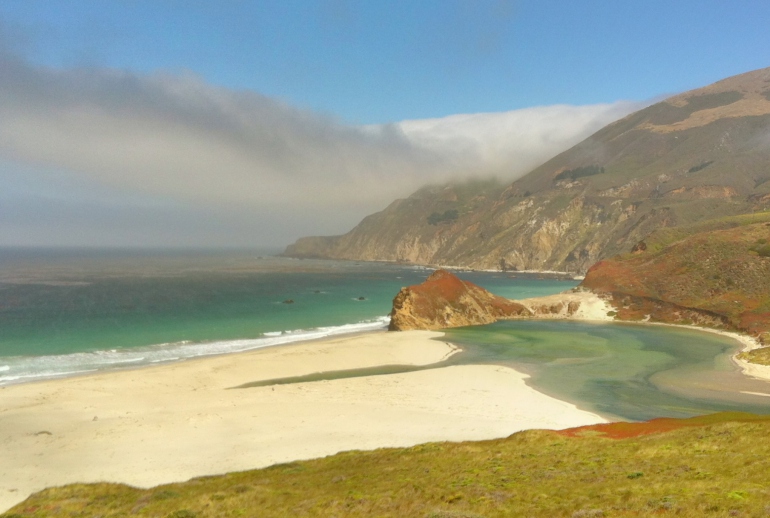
(579, 172)
(699, 167)
(447, 216)
(763, 250)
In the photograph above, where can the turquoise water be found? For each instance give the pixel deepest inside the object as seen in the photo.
(68, 311)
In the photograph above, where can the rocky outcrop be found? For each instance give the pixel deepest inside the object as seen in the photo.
(699, 154)
(444, 300)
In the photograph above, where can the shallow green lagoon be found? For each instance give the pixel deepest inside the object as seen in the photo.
(619, 370)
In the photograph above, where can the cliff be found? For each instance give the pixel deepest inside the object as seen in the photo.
(701, 154)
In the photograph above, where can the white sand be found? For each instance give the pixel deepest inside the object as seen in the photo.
(169, 423)
(753, 370)
(592, 306)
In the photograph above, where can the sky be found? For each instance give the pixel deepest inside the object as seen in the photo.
(252, 123)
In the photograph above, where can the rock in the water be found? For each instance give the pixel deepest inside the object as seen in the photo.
(444, 300)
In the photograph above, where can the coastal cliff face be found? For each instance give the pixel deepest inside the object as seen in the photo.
(444, 300)
(715, 278)
(700, 154)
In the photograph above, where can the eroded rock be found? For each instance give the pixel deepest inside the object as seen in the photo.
(444, 300)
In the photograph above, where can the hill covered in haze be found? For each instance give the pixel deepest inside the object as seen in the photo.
(699, 155)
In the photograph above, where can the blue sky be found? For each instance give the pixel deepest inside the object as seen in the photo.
(194, 122)
(380, 61)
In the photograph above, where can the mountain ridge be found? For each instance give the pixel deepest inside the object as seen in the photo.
(698, 154)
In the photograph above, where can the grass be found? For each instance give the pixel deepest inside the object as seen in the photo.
(666, 236)
(715, 466)
(760, 356)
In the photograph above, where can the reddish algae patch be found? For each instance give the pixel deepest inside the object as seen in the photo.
(625, 430)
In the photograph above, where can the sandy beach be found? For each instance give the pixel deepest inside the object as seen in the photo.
(590, 306)
(177, 421)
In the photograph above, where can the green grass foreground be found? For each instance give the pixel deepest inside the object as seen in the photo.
(713, 466)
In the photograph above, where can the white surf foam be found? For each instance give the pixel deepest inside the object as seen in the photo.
(17, 369)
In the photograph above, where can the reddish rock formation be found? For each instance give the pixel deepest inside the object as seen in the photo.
(444, 300)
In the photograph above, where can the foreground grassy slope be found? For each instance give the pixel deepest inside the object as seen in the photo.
(708, 466)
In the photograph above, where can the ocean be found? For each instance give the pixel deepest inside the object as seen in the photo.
(71, 311)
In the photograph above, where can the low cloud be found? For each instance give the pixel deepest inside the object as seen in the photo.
(182, 142)
(511, 144)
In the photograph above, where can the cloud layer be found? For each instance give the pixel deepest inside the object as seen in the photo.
(238, 155)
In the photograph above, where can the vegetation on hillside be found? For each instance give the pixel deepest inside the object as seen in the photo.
(663, 237)
(579, 172)
(446, 217)
(714, 273)
(713, 466)
(700, 167)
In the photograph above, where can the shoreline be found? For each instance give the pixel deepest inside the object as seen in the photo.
(173, 422)
(747, 343)
(264, 341)
(577, 276)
